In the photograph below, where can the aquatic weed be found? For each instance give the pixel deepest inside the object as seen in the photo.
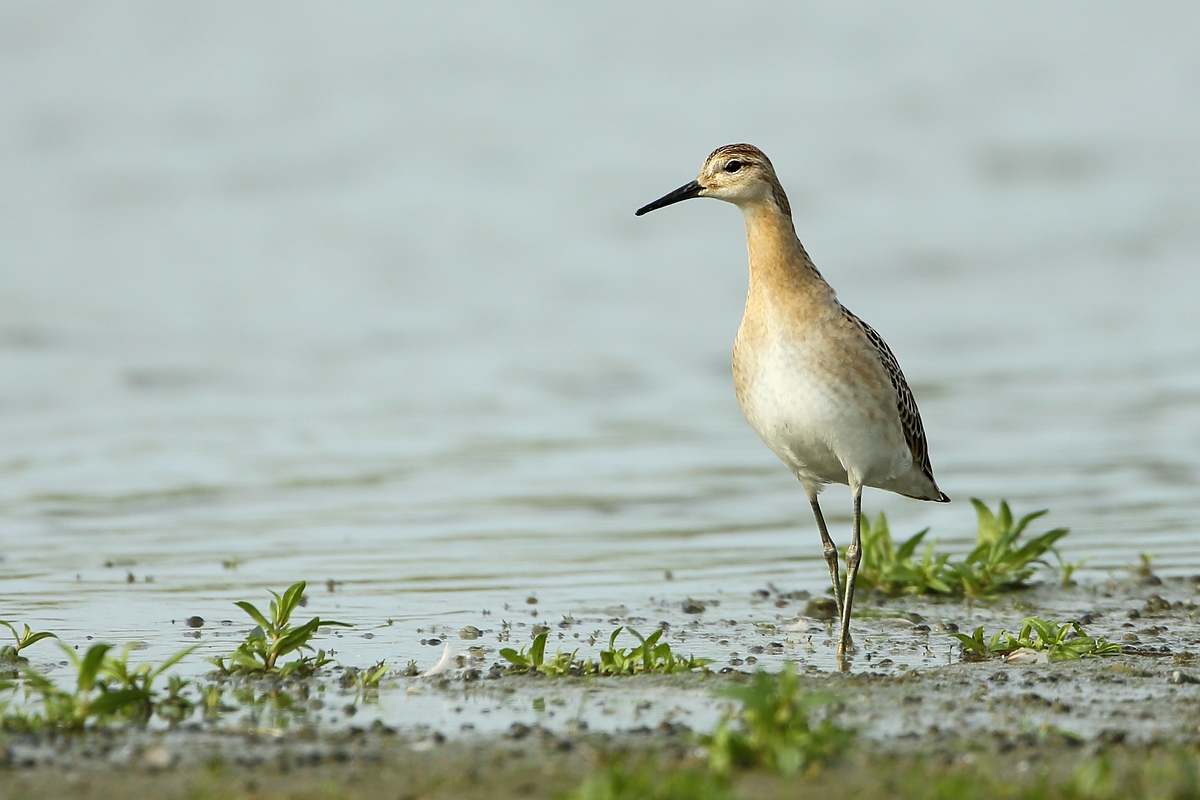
(775, 727)
(649, 656)
(999, 561)
(621, 779)
(893, 570)
(365, 681)
(274, 638)
(106, 689)
(12, 652)
(533, 659)
(1064, 641)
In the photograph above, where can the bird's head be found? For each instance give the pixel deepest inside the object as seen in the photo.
(736, 173)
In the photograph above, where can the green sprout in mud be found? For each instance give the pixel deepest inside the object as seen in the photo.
(533, 659)
(893, 570)
(106, 689)
(12, 652)
(649, 656)
(364, 682)
(999, 562)
(1060, 641)
(273, 638)
(625, 779)
(775, 727)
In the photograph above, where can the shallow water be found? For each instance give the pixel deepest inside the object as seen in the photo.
(358, 295)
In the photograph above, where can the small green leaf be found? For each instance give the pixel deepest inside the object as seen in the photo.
(254, 613)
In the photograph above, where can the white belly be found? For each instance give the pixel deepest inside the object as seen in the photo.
(824, 419)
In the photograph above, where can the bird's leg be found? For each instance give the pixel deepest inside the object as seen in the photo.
(853, 557)
(831, 553)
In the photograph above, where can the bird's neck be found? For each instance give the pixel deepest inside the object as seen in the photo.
(781, 273)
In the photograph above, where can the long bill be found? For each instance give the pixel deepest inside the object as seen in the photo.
(686, 192)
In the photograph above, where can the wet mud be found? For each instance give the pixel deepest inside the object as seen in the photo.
(908, 693)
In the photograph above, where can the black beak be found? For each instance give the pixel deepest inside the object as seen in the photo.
(687, 192)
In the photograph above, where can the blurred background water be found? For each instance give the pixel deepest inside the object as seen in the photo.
(355, 292)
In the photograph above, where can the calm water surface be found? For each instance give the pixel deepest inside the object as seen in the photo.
(358, 295)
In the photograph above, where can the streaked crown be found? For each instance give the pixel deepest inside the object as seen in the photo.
(740, 173)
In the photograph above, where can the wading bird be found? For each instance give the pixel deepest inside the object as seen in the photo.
(819, 386)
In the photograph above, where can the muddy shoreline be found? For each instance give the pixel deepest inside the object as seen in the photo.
(910, 697)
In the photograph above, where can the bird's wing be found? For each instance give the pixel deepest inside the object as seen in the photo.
(906, 405)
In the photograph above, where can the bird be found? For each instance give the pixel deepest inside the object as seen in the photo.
(820, 387)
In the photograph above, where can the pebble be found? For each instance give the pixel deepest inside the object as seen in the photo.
(822, 608)
(1024, 655)
(1155, 603)
(691, 606)
(194, 622)
(470, 632)
(158, 758)
(1182, 677)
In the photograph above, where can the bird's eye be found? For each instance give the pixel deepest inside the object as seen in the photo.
(733, 166)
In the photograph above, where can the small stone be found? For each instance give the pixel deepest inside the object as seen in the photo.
(517, 730)
(158, 758)
(1133, 613)
(531, 600)
(691, 606)
(1182, 677)
(822, 608)
(1025, 655)
(470, 632)
(914, 618)
(194, 622)
(945, 627)
(1154, 604)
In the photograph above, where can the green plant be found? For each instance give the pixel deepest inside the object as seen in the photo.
(12, 652)
(363, 680)
(106, 689)
(1067, 568)
(647, 780)
(274, 638)
(999, 562)
(650, 656)
(533, 659)
(774, 727)
(893, 570)
(175, 707)
(116, 672)
(647, 657)
(1061, 641)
